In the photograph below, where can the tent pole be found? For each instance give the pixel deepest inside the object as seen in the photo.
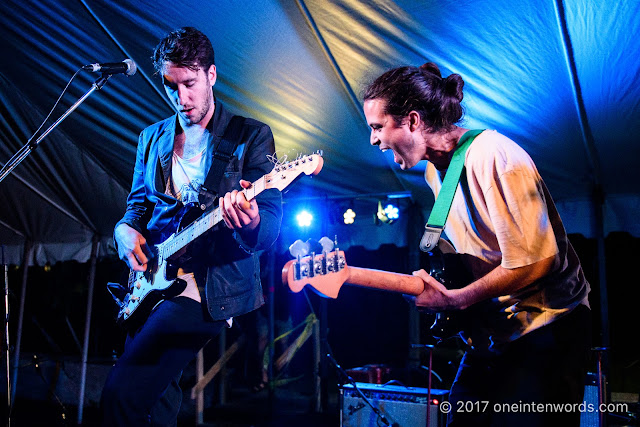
(271, 263)
(28, 247)
(598, 190)
(87, 328)
(602, 280)
(414, 230)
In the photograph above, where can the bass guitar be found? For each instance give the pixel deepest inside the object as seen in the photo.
(328, 271)
(158, 282)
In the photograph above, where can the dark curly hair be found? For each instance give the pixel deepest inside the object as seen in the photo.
(420, 89)
(185, 47)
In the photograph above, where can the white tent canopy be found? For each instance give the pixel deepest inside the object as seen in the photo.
(559, 77)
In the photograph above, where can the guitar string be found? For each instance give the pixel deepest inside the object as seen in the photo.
(199, 226)
(256, 188)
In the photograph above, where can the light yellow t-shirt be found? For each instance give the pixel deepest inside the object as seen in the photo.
(502, 214)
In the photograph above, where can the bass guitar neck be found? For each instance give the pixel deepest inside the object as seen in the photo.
(326, 273)
(330, 272)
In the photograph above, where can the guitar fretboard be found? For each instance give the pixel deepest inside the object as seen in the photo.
(204, 223)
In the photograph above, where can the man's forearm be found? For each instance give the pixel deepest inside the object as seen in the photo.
(501, 281)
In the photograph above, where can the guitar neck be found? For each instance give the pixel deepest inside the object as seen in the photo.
(385, 280)
(205, 223)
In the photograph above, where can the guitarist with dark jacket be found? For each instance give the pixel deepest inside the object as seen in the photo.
(529, 339)
(221, 268)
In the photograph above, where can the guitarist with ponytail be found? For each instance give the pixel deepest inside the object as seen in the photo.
(530, 341)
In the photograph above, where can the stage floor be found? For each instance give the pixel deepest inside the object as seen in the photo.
(244, 408)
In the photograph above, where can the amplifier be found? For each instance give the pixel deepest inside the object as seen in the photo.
(591, 397)
(402, 406)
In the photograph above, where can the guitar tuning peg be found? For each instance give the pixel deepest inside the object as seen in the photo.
(299, 249)
(327, 244)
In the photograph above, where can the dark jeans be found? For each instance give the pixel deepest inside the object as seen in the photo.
(142, 388)
(548, 365)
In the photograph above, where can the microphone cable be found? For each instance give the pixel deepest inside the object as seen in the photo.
(53, 108)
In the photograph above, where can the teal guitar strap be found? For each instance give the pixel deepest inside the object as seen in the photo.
(442, 205)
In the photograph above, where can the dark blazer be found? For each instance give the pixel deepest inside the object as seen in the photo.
(226, 261)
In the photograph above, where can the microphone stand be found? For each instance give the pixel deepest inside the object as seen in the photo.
(4, 172)
(351, 381)
(430, 348)
(30, 146)
(6, 333)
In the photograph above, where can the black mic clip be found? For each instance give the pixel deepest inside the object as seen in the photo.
(127, 67)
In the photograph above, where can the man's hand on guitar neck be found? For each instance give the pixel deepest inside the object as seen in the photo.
(499, 281)
(237, 212)
(435, 297)
(132, 247)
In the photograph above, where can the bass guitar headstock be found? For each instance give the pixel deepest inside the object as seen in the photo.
(324, 267)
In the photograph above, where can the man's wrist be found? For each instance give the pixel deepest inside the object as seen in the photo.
(249, 234)
(462, 298)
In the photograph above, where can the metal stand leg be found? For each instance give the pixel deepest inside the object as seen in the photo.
(602, 384)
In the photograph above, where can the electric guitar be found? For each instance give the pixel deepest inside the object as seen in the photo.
(158, 282)
(327, 272)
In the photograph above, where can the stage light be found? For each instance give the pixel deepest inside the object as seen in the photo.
(392, 212)
(304, 219)
(381, 216)
(387, 215)
(349, 216)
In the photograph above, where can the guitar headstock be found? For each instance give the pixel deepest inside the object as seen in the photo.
(325, 273)
(283, 175)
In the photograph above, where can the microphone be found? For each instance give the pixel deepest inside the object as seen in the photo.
(127, 67)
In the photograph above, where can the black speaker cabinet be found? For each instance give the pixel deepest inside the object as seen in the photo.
(402, 406)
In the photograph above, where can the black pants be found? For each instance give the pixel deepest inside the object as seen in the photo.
(547, 366)
(142, 388)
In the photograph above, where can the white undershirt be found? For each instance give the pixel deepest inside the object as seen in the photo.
(187, 176)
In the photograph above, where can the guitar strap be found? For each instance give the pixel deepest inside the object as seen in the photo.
(222, 153)
(442, 205)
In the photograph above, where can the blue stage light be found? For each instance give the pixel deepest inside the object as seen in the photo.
(392, 212)
(304, 219)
